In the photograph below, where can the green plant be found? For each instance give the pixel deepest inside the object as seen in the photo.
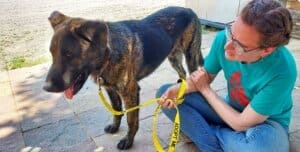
(21, 61)
(16, 62)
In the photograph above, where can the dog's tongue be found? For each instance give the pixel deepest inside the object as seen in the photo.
(69, 92)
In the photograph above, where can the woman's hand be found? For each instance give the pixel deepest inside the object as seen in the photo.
(200, 79)
(168, 99)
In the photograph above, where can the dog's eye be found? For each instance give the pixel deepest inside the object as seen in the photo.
(68, 53)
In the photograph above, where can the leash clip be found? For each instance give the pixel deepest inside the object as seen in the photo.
(100, 82)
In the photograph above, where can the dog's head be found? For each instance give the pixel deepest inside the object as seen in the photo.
(77, 47)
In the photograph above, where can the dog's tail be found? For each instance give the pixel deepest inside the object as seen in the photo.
(193, 54)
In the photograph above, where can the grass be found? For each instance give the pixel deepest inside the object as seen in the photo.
(17, 62)
(21, 61)
(25, 57)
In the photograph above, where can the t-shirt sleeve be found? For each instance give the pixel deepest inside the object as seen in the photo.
(270, 99)
(212, 60)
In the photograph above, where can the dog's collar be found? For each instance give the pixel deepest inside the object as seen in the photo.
(105, 64)
(100, 82)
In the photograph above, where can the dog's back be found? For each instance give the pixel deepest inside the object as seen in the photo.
(170, 32)
(184, 30)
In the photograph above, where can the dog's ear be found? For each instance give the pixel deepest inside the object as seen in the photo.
(93, 31)
(103, 34)
(57, 18)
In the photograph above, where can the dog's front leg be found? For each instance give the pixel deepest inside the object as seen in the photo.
(116, 103)
(131, 99)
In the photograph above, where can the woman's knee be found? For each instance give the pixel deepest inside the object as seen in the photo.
(268, 136)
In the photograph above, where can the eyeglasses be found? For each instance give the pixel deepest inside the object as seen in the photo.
(237, 45)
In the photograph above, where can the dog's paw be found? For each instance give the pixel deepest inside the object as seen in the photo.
(124, 143)
(111, 128)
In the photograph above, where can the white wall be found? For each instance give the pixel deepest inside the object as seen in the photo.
(222, 11)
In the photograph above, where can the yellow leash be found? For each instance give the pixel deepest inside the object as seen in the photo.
(176, 125)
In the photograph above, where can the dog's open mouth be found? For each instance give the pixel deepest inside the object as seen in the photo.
(69, 92)
(75, 86)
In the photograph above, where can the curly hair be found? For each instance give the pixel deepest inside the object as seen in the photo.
(271, 20)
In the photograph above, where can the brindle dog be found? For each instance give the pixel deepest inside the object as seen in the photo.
(121, 53)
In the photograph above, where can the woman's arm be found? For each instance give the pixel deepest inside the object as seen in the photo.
(236, 120)
(172, 91)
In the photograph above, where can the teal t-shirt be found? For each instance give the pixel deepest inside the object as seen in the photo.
(266, 84)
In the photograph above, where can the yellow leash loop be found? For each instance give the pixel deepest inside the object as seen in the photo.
(176, 125)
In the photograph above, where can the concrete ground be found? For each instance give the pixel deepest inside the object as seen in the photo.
(33, 120)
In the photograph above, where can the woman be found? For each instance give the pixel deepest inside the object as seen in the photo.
(260, 73)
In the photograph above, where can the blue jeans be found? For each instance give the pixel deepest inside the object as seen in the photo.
(211, 134)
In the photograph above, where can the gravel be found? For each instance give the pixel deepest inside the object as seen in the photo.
(26, 32)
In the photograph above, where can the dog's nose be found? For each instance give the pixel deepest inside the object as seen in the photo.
(48, 87)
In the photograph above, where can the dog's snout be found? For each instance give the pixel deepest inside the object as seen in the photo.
(48, 86)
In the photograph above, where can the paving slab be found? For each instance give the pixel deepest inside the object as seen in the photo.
(7, 104)
(4, 76)
(11, 138)
(108, 142)
(295, 124)
(62, 135)
(94, 121)
(12, 142)
(294, 141)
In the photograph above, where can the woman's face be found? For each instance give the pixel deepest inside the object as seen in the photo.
(242, 42)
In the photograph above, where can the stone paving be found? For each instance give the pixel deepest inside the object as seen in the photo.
(33, 120)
